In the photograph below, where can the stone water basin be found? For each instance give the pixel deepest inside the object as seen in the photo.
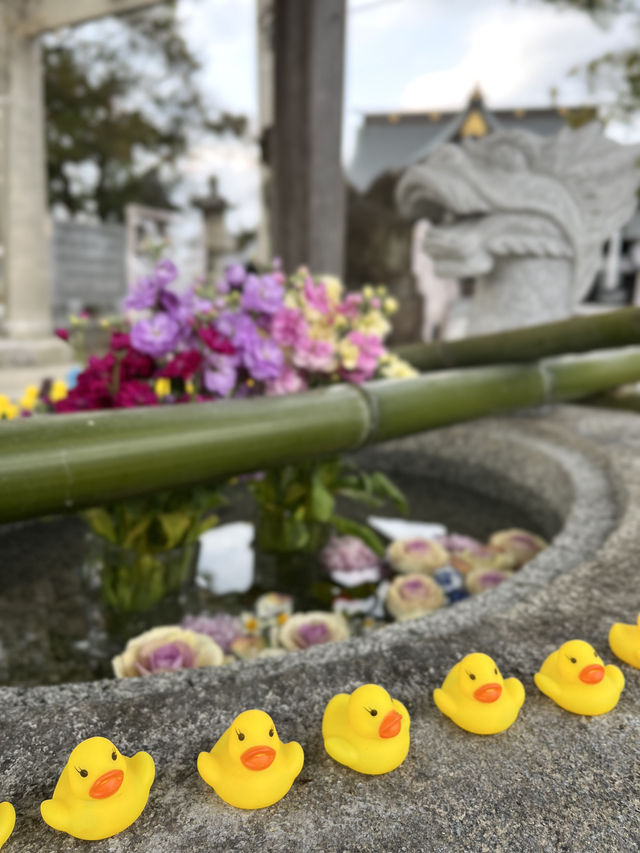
(553, 781)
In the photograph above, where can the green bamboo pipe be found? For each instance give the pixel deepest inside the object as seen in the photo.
(578, 334)
(56, 463)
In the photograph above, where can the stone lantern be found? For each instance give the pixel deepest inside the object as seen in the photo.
(219, 244)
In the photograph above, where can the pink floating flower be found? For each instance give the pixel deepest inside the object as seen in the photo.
(221, 627)
(416, 555)
(350, 562)
(411, 596)
(166, 649)
(309, 629)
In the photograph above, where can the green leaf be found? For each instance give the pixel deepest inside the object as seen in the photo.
(321, 501)
(137, 532)
(383, 487)
(101, 523)
(174, 527)
(360, 496)
(199, 528)
(352, 528)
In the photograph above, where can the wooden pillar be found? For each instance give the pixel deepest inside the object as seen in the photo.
(308, 182)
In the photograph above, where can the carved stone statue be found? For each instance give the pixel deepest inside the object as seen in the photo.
(526, 215)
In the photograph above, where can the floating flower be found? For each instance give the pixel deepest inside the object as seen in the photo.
(221, 627)
(166, 649)
(248, 647)
(480, 580)
(520, 544)
(416, 555)
(350, 562)
(482, 558)
(456, 542)
(311, 629)
(411, 596)
(273, 608)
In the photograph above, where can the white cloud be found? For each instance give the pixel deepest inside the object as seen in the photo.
(516, 55)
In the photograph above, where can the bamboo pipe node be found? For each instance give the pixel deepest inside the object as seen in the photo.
(547, 380)
(373, 411)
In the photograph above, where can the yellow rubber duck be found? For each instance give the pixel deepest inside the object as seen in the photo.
(477, 698)
(100, 792)
(577, 680)
(625, 642)
(7, 821)
(249, 767)
(366, 730)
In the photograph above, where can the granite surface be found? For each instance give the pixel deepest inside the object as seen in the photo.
(552, 782)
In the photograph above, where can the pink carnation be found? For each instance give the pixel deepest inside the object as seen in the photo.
(314, 355)
(289, 382)
(316, 296)
(289, 328)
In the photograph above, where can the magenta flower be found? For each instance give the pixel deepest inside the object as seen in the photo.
(216, 342)
(120, 340)
(63, 334)
(136, 365)
(183, 365)
(155, 336)
(289, 328)
(263, 294)
(134, 393)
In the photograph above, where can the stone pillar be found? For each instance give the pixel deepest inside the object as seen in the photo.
(308, 186)
(26, 287)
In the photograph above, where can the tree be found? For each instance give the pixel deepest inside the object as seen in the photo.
(122, 103)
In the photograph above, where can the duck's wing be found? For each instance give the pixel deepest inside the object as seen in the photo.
(445, 702)
(341, 750)
(209, 768)
(144, 768)
(294, 756)
(547, 686)
(56, 815)
(515, 690)
(614, 673)
(7, 821)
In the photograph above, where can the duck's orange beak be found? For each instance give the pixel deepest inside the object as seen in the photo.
(592, 674)
(258, 757)
(106, 785)
(391, 724)
(488, 693)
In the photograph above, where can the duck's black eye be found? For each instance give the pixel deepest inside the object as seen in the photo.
(114, 755)
(240, 736)
(573, 660)
(472, 676)
(495, 670)
(373, 712)
(83, 773)
(595, 654)
(271, 733)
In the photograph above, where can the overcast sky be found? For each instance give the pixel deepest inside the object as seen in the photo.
(402, 55)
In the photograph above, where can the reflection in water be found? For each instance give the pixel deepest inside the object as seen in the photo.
(227, 561)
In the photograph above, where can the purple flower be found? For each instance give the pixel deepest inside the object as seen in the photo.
(313, 633)
(235, 275)
(143, 296)
(348, 554)
(155, 336)
(262, 293)
(221, 627)
(455, 542)
(263, 358)
(221, 375)
(164, 273)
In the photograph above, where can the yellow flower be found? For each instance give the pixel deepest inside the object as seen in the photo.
(333, 288)
(348, 353)
(373, 323)
(390, 305)
(162, 387)
(29, 398)
(392, 367)
(8, 410)
(368, 292)
(58, 391)
(189, 387)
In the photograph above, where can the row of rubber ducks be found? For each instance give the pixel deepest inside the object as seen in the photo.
(101, 792)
